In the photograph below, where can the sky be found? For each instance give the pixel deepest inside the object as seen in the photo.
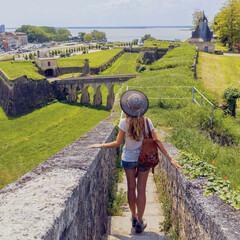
(87, 13)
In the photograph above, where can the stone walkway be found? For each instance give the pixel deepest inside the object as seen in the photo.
(120, 226)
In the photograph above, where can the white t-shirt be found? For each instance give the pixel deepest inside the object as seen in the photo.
(131, 144)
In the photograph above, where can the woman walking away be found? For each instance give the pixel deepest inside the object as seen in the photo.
(135, 104)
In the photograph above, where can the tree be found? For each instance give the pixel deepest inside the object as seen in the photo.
(81, 35)
(196, 16)
(135, 41)
(99, 36)
(227, 22)
(145, 37)
(88, 37)
(30, 56)
(26, 57)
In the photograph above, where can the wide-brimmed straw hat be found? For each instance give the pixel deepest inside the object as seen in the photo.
(134, 103)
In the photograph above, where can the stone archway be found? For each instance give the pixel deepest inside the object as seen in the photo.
(97, 98)
(49, 72)
(85, 98)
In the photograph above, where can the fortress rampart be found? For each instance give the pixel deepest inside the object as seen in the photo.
(66, 196)
(198, 217)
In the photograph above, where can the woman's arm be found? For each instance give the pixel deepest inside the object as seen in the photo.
(163, 149)
(117, 143)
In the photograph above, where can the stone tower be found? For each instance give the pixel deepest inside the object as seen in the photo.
(202, 37)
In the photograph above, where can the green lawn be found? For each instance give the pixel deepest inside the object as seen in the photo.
(15, 69)
(96, 59)
(28, 140)
(126, 64)
(218, 72)
(156, 43)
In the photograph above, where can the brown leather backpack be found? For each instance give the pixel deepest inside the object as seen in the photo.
(148, 157)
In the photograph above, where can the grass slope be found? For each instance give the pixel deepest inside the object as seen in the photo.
(187, 124)
(30, 139)
(96, 59)
(15, 69)
(218, 72)
(180, 56)
(126, 64)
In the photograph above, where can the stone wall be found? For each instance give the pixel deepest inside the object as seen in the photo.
(66, 196)
(153, 54)
(19, 95)
(5, 94)
(199, 217)
(67, 70)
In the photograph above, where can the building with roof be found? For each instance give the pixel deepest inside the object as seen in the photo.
(202, 37)
(46, 63)
(2, 28)
(13, 40)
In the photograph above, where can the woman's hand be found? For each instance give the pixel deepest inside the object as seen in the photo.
(174, 163)
(95, 146)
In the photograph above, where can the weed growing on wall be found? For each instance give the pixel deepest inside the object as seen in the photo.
(164, 197)
(116, 199)
(194, 167)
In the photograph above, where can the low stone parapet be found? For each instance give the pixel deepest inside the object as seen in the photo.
(199, 217)
(66, 196)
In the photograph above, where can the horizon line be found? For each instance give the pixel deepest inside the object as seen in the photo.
(112, 27)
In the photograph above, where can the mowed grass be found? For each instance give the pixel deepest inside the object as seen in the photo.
(96, 59)
(156, 43)
(218, 72)
(180, 56)
(28, 140)
(187, 124)
(15, 69)
(126, 64)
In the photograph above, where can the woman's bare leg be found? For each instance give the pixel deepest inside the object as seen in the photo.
(141, 194)
(131, 183)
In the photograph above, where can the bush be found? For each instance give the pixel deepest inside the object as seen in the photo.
(231, 95)
(141, 68)
(138, 66)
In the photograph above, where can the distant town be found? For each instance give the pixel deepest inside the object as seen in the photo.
(11, 40)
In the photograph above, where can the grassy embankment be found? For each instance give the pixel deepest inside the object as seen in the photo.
(159, 44)
(126, 64)
(96, 59)
(15, 69)
(30, 139)
(187, 124)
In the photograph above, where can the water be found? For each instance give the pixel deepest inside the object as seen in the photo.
(127, 34)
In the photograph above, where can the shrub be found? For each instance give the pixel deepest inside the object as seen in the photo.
(231, 95)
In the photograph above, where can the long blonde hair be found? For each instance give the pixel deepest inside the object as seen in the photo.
(135, 127)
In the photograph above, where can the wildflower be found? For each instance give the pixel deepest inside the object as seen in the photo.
(225, 178)
(213, 162)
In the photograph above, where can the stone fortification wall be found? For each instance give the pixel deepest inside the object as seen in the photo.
(5, 94)
(199, 217)
(133, 50)
(21, 94)
(153, 54)
(68, 70)
(66, 196)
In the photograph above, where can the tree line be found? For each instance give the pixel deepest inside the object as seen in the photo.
(227, 24)
(44, 34)
(94, 35)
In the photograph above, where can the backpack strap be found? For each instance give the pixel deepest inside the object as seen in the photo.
(149, 132)
(144, 132)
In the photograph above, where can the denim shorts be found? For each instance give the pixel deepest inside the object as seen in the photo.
(130, 159)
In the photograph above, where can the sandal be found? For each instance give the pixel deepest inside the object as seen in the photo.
(140, 226)
(134, 221)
